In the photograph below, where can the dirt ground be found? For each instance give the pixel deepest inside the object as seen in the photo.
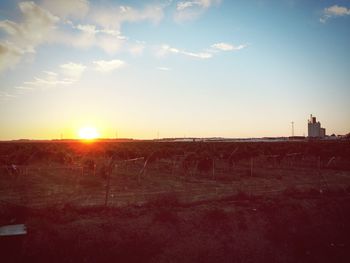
(252, 212)
(287, 227)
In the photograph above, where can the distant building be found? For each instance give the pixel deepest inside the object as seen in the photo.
(314, 128)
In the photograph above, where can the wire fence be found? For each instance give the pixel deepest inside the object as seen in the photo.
(137, 181)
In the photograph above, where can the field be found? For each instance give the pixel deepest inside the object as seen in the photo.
(149, 201)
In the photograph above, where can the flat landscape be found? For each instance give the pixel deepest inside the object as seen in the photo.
(174, 131)
(176, 201)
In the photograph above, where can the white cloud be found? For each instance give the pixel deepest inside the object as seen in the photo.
(85, 36)
(93, 30)
(164, 68)
(201, 55)
(115, 33)
(189, 10)
(165, 49)
(67, 8)
(108, 66)
(89, 29)
(113, 18)
(35, 28)
(334, 11)
(68, 74)
(337, 10)
(45, 81)
(227, 47)
(73, 71)
(182, 5)
(37, 24)
(9, 55)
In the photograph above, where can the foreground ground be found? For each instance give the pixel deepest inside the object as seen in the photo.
(260, 209)
(288, 227)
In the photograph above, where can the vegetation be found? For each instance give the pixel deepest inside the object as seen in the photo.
(268, 202)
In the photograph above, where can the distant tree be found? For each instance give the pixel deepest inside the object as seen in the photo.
(347, 136)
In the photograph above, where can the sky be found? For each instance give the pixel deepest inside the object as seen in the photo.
(198, 68)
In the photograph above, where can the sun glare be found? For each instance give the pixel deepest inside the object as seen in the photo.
(88, 133)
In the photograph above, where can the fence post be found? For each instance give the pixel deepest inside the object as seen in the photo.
(109, 171)
(173, 169)
(251, 175)
(322, 176)
(251, 166)
(213, 164)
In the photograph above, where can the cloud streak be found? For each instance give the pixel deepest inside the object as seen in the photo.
(108, 66)
(73, 71)
(227, 47)
(190, 10)
(334, 11)
(165, 49)
(114, 17)
(206, 54)
(163, 68)
(68, 74)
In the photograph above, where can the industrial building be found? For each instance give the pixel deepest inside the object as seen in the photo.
(314, 128)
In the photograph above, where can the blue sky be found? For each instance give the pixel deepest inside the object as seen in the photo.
(195, 68)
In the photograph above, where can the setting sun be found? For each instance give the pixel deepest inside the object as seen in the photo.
(88, 133)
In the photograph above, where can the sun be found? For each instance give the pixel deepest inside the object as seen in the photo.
(88, 133)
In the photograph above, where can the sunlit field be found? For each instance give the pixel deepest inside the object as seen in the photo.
(142, 198)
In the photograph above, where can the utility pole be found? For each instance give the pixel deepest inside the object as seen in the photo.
(292, 128)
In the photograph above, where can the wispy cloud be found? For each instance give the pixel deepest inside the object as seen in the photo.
(227, 47)
(67, 75)
(73, 71)
(108, 66)
(86, 36)
(182, 5)
(206, 54)
(114, 17)
(93, 30)
(163, 68)
(189, 10)
(334, 11)
(165, 49)
(45, 81)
